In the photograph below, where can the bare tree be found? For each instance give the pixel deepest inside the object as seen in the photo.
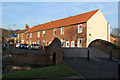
(116, 34)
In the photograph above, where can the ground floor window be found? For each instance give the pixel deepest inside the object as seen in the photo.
(67, 43)
(79, 42)
(22, 41)
(72, 44)
(38, 42)
(30, 42)
(34, 42)
(27, 42)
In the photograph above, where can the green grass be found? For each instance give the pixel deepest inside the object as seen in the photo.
(59, 70)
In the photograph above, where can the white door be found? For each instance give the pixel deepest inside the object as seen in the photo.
(79, 42)
(72, 44)
(67, 43)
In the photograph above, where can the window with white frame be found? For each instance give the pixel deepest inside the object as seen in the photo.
(27, 42)
(30, 42)
(22, 41)
(39, 34)
(30, 35)
(38, 42)
(72, 43)
(27, 35)
(21, 35)
(61, 42)
(43, 33)
(18, 36)
(62, 30)
(80, 28)
(54, 32)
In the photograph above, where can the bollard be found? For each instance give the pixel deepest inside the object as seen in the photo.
(110, 55)
(88, 55)
(118, 70)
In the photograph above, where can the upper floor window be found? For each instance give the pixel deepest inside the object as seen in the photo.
(80, 28)
(38, 34)
(62, 30)
(18, 36)
(30, 35)
(54, 32)
(27, 35)
(21, 35)
(43, 33)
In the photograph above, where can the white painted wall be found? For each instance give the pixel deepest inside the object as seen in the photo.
(97, 27)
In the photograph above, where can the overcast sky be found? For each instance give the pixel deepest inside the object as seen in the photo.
(34, 13)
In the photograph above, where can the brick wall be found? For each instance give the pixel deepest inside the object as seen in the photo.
(70, 34)
(44, 57)
(28, 58)
(20, 39)
(55, 49)
(106, 47)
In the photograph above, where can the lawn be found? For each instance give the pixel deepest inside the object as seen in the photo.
(59, 70)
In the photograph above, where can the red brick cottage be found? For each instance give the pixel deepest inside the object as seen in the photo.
(21, 36)
(74, 31)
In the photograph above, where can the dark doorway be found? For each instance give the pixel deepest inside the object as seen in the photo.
(54, 58)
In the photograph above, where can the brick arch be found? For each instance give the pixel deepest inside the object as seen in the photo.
(100, 42)
(106, 47)
(55, 49)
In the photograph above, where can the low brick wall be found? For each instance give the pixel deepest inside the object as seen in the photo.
(51, 55)
(28, 58)
(106, 47)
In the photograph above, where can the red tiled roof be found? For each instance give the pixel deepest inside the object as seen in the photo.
(112, 39)
(22, 31)
(66, 21)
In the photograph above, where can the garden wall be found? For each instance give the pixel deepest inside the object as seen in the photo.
(51, 55)
(31, 58)
(106, 47)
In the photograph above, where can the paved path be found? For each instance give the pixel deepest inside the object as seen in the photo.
(94, 68)
(99, 65)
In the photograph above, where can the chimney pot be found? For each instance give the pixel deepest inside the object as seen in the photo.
(26, 27)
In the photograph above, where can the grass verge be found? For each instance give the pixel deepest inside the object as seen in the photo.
(56, 71)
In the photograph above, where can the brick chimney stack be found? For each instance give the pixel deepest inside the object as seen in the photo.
(26, 27)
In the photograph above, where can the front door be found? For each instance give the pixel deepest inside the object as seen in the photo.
(67, 43)
(79, 42)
